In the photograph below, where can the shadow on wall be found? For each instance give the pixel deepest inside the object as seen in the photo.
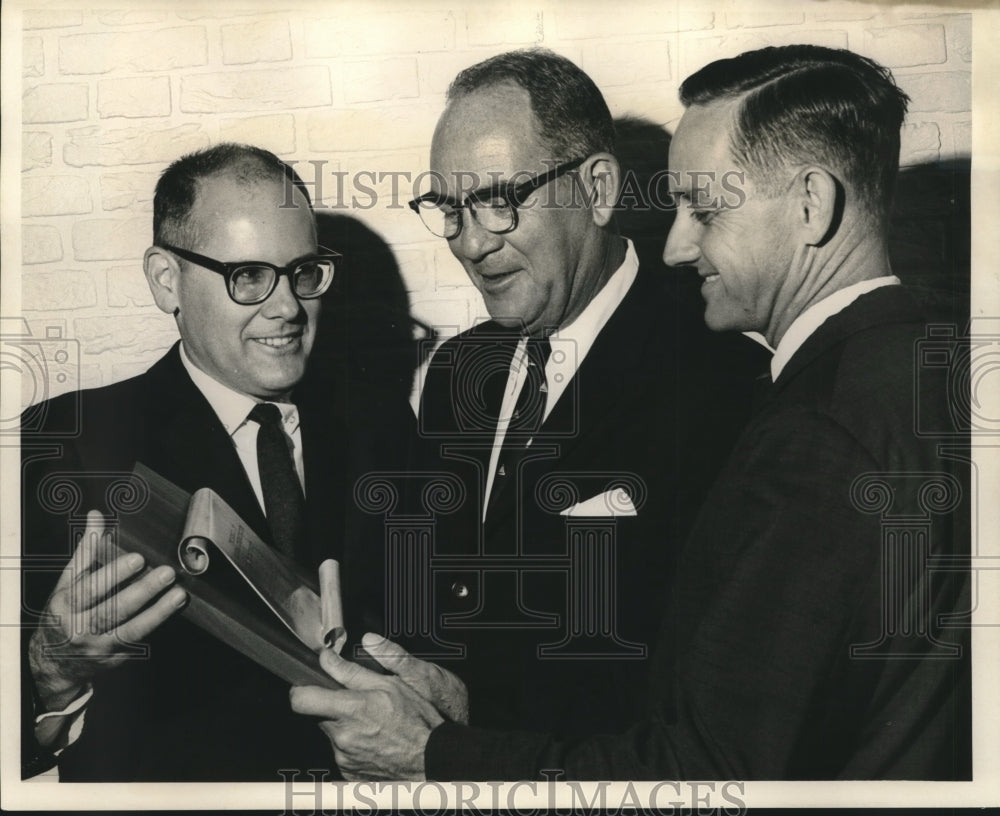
(366, 335)
(929, 232)
(645, 213)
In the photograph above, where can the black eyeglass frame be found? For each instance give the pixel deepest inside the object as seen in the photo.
(513, 192)
(229, 269)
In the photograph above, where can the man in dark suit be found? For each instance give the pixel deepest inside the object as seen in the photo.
(235, 260)
(818, 627)
(585, 420)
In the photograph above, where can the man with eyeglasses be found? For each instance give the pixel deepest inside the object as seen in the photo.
(585, 419)
(819, 621)
(235, 261)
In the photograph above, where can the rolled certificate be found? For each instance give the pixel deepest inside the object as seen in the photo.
(331, 610)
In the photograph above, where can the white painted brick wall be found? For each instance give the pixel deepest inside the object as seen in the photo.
(110, 97)
(133, 97)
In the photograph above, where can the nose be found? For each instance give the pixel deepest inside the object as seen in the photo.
(282, 301)
(682, 247)
(474, 242)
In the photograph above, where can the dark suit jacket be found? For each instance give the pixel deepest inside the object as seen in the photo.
(785, 573)
(195, 709)
(556, 617)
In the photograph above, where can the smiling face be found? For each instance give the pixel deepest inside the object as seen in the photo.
(544, 272)
(258, 350)
(738, 240)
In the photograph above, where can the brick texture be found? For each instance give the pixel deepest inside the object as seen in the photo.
(266, 41)
(40, 243)
(377, 80)
(65, 102)
(278, 89)
(63, 290)
(905, 46)
(111, 96)
(154, 50)
(110, 239)
(36, 150)
(133, 97)
(55, 195)
(33, 57)
(128, 191)
(112, 147)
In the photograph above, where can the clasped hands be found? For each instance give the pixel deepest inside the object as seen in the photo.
(378, 725)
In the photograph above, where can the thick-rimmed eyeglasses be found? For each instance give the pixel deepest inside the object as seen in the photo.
(252, 282)
(494, 208)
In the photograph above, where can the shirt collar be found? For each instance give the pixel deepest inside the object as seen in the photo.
(232, 407)
(812, 318)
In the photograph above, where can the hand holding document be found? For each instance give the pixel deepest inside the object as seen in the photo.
(240, 590)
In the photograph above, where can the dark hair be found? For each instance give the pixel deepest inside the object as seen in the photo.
(177, 187)
(803, 103)
(573, 118)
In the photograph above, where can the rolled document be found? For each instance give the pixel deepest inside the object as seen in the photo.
(331, 611)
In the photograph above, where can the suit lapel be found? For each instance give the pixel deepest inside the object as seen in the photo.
(888, 304)
(192, 447)
(609, 377)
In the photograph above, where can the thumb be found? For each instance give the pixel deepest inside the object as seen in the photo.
(389, 655)
(349, 675)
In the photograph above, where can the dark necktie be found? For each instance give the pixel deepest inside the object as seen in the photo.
(529, 410)
(284, 503)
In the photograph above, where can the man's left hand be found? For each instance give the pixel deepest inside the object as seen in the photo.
(378, 725)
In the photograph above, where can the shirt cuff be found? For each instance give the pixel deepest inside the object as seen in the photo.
(72, 708)
(72, 716)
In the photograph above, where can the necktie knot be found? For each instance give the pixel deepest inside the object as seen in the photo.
(266, 413)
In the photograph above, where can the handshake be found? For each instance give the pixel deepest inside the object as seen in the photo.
(378, 724)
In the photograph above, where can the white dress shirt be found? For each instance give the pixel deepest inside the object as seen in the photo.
(232, 408)
(570, 345)
(812, 318)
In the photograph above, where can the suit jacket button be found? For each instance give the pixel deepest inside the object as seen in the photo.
(459, 590)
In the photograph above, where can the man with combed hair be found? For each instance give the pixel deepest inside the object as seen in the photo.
(817, 628)
(590, 391)
(116, 685)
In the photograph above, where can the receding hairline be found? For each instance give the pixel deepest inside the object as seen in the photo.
(248, 173)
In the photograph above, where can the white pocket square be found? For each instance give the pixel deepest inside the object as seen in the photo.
(615, 502)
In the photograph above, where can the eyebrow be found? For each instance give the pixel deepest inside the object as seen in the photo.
(440, 198)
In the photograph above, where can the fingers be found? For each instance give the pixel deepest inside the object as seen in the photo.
(138, 628)
(90, 587)
(348, 674)
(329, 705)
(85, 555)
(387, 654)
(120, 606)
(435, 684)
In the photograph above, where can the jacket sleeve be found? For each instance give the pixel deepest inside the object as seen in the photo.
(780, 576)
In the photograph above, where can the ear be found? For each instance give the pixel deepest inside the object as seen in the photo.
(815, 198)
(163, 276)
(602, 177)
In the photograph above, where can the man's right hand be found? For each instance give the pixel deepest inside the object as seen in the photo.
(90, 623)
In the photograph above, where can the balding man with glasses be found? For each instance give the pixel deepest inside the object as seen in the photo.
(235, 260)
(586, 418)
